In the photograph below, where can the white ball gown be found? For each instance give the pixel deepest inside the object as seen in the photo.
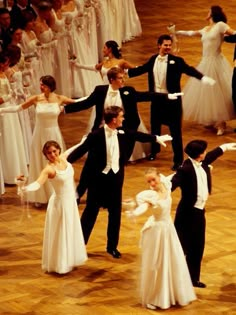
(46, 128)
(208, 105)
(165, 278)
(63, 244)
(13, 155)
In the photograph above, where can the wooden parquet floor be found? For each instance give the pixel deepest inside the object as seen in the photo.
(105, 285)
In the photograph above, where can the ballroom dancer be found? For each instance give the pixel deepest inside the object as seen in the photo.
(194, 180)
(63, 242)
(107, 156)
(47, 108)
(164, 74)
(112, 58)
(113, 94)
(214, 107)
(11, 139)
(165, 278)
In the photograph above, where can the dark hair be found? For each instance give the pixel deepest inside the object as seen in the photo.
(44, 5)
(49, 144)
(27, 16)
(49, 81)
(13, 52)
(4, 11)
(217, 14)
(195, 147)
(114, 48)
(113, 72)
(163, 37)
(111, 112)
(3, 57)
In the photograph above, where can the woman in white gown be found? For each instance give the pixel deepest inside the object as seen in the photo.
(46, 38)
(210, 106)
(47, 108)
(29, 47)
(14, 75)
(11, 139)
(165, 278)
(62, 70)
(63, 243)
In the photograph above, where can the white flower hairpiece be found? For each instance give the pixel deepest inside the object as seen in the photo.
(121, 132)
(172, 62)
(126, 93)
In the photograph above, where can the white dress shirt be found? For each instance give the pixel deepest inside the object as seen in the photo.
(112, 147)
(159, 72)
(202, 187)
(113, 98)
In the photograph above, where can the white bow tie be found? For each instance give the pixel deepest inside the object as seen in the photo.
(112, 93)
(160, 58)
(112, 132)
(198, 164)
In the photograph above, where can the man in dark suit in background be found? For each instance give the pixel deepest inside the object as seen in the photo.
(194, 180)
(164, 75)
(107, 157)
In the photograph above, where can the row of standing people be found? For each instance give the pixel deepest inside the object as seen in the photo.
(61, 31)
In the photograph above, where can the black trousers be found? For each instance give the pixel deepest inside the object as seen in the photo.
(190, 227)
(105, 192)
(168, 112)
(234, 89)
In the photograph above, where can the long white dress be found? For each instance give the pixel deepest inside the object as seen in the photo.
(208, 105)
(131, 23)
(62, 69)
(63, 244)
(165, 278)
(46, 128)
(13, 156)
(24, 116)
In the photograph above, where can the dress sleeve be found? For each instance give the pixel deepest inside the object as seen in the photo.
(223, 27)
(147, 196)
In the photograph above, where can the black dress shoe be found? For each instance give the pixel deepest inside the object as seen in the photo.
(114, 253)
(199, 284)
(151, 157)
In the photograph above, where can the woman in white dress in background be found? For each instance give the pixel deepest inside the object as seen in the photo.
(112, 58)
(211, 107)
(14, 75)
(131, 23)
(47, 109)
(165, 278)
(30, 46)
(45, 36)
(11, 139)
(62, 69)
(63, 242)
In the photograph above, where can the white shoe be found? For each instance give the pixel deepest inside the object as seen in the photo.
(151, 306)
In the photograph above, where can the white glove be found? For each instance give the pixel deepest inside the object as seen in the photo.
(162, 139)
(11, 109)
(228, 146)
(32, 187)
(86, 67)
(171, 28)
(207, 80)
(185, 33)
(174, 96)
